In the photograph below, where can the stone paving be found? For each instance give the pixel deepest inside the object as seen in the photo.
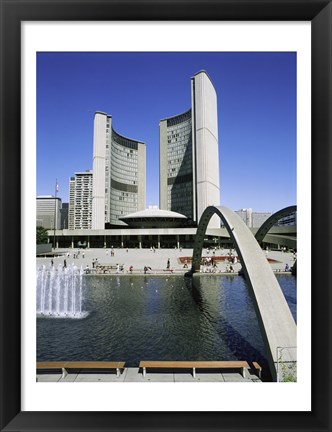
(156, 259)
(135, 375)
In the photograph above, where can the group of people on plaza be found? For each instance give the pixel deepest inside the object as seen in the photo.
(214, 260)
(209, 263)
(120, 268)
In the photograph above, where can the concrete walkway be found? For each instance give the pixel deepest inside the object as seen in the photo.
(157, 259)
(135, 375)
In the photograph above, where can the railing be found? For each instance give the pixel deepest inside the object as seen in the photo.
(286, 364)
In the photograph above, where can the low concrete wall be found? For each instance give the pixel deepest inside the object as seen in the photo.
(44, 248)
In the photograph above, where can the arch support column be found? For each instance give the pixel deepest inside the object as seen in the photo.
(268, 224)
(276, 322)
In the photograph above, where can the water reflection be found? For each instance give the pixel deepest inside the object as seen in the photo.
(132, 318)
(229, 311)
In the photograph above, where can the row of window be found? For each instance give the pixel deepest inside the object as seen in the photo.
(179, 133)
(125, 142)
(182, 145)
(181, 118)
(124, 174)
(124, 160)
(128, 180)
(124, 208)
(176, 165)
(185, 135)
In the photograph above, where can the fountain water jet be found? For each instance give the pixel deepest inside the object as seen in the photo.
(60, 292)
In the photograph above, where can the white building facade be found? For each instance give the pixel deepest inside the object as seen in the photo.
(80, 201)
(246, 216)
(258, 218)
(48, 209)
(189, 155)
(119, 172)
(253, 219)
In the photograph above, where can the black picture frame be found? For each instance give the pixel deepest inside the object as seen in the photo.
(13, 12)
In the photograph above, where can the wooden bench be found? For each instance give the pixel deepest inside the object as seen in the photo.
(65, 365)
(218, 364)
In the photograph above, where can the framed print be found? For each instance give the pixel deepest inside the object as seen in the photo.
(182, 26)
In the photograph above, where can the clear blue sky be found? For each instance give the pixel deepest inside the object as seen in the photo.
(256, 114)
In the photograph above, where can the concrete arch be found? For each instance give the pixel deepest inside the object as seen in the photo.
(268, 224)
(276, 322)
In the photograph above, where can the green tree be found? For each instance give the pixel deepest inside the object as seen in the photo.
(41, 235)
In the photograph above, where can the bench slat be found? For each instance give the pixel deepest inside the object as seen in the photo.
(51, 365)
(80, 364)
(195, 364)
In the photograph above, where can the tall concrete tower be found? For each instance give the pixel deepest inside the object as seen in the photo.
(189, 155)
(119, 174)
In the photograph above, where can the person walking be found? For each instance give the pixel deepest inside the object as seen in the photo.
(168, 266)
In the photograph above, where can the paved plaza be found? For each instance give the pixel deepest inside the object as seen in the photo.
(135, 375)
(156, 259)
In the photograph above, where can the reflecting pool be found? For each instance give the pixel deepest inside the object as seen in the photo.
(133, 318)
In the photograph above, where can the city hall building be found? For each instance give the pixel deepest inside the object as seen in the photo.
(119, 171)
(189, 156)
(189, 182)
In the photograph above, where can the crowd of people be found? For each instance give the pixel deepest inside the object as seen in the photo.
(214, 260)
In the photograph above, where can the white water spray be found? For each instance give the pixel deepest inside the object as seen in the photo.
(60, 292)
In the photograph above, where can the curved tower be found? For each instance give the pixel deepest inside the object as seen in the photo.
(189, 156)
(119, 165)
(176, 164)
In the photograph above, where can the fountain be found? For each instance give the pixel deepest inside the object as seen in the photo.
(60, 292)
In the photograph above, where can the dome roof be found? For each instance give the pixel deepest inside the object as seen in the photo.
(153, 217)
(154, 213)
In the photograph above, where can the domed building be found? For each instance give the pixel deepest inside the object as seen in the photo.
(154, 218)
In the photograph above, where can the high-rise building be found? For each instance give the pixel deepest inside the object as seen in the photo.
(48, 212)
(288, 220)
(64, 215)
(80, 201)
(253, 219)
(258, 218)
(246, 216)
(119, 166)
(189, 156)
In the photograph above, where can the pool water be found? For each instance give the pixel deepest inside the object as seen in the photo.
(133, 318)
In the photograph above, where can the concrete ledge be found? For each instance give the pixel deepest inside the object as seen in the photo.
(135, 375)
